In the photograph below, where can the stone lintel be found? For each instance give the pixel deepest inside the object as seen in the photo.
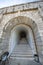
(20, 7)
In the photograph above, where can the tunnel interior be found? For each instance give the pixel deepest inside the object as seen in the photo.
(22, 42)
(23, 37)
(22, 34)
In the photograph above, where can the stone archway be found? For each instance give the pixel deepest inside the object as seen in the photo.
(20, 20)
(24, 48)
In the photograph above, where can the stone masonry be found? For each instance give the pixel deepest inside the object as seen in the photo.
(29, 14)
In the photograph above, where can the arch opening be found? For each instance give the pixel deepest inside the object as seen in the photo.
(21, 20)
(22, 42)
(23, 36)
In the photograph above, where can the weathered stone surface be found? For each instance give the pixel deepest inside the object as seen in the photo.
(26, 16)
(20, 7)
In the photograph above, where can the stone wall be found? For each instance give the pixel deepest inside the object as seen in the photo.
(23, 12)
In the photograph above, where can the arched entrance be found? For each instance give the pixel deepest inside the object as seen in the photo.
(20, 35)
(22, 42)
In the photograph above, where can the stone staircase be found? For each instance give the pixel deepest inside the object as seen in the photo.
(22, 50)
(22, 55)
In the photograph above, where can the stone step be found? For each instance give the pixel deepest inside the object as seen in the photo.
(19, 55)
(22, 62)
